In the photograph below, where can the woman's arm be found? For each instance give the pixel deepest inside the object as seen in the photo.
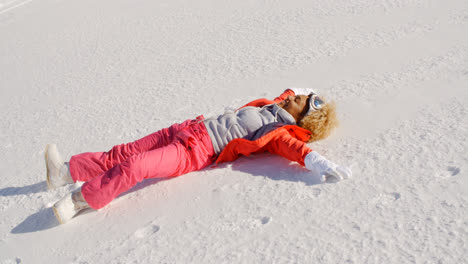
(263, 101)
(284, 95)
(291, 91)
(296, 150)
(289, 147)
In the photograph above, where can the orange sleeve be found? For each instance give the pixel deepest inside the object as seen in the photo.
(263, 101)
(289, 147)
(284, 95)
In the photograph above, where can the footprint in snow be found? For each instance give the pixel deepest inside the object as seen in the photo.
(146, 231)
(316, 192)
(256, 222)
(13, 261)
(385, 199)
(265, 220)
(453, 170)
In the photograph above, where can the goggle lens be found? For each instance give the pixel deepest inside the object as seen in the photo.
(317, 102)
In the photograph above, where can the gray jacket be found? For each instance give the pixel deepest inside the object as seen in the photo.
(249, 123)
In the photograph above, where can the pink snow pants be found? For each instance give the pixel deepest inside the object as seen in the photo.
(172, 151)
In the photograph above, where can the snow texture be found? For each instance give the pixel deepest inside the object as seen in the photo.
(88, 75)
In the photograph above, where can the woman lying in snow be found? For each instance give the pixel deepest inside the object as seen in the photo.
(282, 126)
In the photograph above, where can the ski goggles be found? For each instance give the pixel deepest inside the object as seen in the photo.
(315, 103)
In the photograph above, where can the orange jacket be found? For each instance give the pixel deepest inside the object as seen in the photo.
(287, 141)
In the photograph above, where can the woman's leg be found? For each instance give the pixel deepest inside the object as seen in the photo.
(191, 150)
(85, 166)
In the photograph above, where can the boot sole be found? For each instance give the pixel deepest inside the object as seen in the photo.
(57, 215)
(47, 166)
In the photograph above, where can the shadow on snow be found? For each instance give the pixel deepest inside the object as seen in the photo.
(273, 167)
(28, 189)
(42, 220)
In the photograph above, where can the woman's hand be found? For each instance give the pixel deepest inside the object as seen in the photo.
(337, 174)
(325, 169)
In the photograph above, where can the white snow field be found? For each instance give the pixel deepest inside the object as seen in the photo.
(88, 75)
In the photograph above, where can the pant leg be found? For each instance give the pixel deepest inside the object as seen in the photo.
(86, 166)
(191, 150)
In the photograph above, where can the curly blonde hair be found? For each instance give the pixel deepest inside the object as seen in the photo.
(321, 122)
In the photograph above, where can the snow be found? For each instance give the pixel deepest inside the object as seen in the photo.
(91, 74)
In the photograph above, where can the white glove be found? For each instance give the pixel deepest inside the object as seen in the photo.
(325, 169)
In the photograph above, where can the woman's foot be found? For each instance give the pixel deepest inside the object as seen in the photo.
(58, 173)
(69, 206)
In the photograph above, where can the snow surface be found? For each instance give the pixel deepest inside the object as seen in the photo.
(91, 74)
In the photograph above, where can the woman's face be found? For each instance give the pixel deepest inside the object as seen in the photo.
(297, 106)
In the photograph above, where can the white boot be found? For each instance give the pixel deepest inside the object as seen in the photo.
(69, 206)
(58, 173)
